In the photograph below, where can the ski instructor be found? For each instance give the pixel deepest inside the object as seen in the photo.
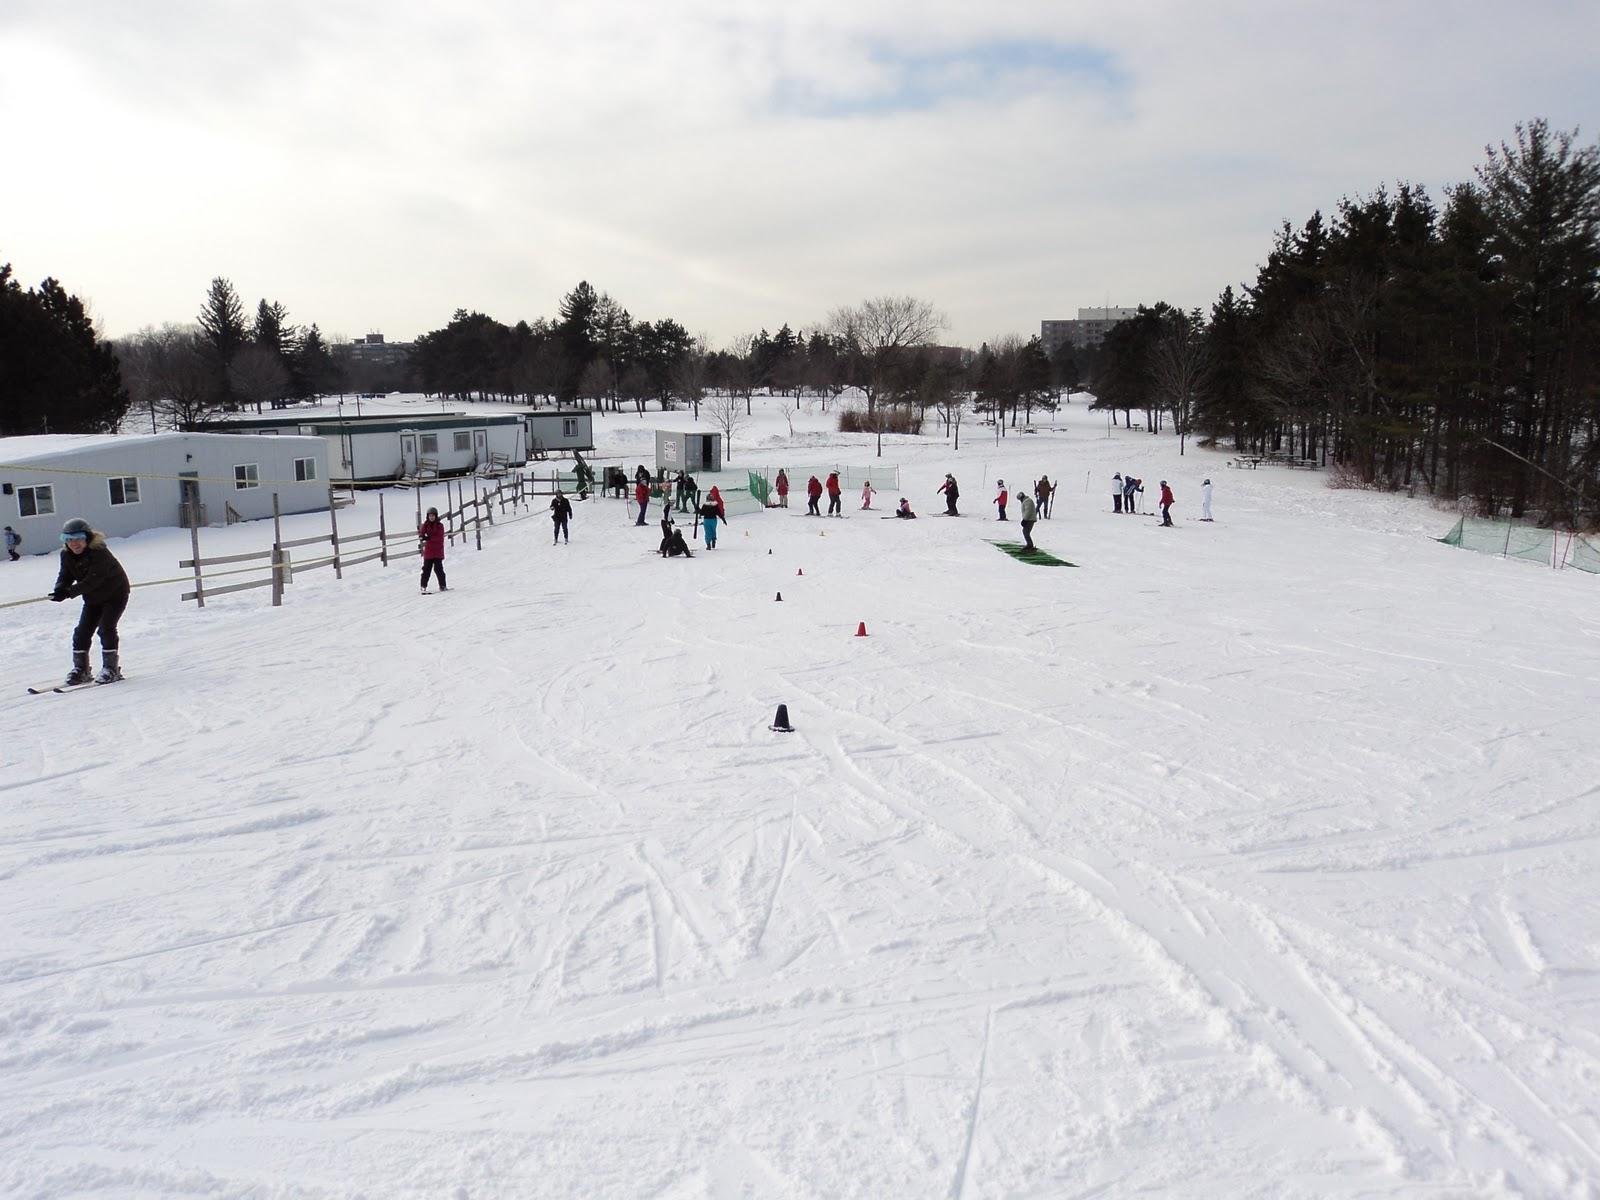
(90, 570)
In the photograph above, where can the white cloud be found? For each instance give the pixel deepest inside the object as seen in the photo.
(378, 166)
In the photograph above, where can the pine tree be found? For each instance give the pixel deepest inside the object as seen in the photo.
(222, 321)
(56, 376)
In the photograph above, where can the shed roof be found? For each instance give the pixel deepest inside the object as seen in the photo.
(50, 447)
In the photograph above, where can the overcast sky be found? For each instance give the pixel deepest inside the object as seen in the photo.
(375, 166)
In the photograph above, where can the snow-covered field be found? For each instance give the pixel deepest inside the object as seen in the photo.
(1256, 858)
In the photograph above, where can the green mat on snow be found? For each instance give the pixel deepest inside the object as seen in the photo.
(1037, 558)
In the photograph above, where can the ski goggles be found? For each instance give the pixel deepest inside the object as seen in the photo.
(74, 537)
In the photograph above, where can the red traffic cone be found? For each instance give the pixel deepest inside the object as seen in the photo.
(779, 596)
(861, 629)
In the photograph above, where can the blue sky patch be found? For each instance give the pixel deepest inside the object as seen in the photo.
(917, 81)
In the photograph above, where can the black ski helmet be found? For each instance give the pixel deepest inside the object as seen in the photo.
(77, 527)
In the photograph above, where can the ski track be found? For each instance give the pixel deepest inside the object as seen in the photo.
(1270, 854)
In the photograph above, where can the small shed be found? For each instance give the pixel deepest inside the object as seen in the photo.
(690, 452)
(557, 432)
(123, 485)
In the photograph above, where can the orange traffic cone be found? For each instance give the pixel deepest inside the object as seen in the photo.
(861, 629)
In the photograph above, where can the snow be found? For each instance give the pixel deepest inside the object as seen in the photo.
(1254, 858)
(22, 449)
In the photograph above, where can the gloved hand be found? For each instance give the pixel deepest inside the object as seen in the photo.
(58, 597)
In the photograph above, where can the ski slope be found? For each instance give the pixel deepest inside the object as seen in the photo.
(1255, 858)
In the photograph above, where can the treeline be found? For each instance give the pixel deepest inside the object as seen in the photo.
(56, 376)
(1454, 350)
(594, 353)
(182, 375)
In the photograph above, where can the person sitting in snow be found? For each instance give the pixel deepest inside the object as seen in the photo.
(673, 545)
(904, 511)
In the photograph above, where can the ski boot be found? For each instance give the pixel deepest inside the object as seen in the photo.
(80, 669)
(110, 671)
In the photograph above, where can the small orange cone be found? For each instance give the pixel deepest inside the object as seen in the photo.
(861, 629)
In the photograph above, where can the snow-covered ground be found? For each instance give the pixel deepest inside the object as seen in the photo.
(1256, 858)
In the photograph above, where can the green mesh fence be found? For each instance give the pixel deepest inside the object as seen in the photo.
(1505, 538)
(1584, 555)
(759, 488)
(884, 477)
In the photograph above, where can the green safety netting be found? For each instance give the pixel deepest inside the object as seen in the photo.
(1584, 555)
(1505, 538)
(884, 477)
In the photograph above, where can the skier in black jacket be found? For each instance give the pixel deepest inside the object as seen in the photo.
(90, 570)
(560, 514)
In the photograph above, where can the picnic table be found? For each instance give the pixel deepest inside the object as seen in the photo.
(1246, 460)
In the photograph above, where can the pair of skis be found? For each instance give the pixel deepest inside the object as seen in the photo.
(61, 689)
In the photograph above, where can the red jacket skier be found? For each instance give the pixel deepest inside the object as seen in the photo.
(430, 539)
(1166, 503)
(833, 494)
(813, 494)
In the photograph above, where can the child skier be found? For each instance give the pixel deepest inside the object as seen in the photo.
(430, 540)
(90, 570)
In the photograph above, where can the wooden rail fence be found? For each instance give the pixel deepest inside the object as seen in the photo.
(464, 515)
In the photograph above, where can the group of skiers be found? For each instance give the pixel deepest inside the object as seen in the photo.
(89, 569)
(1126, 490)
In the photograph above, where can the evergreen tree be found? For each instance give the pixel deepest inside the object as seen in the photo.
(56, 376)
(222, 321)
(574, 333)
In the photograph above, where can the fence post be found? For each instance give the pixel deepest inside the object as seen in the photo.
(1506, 550)
(194, 548)
(477, 516)
(485, 501)
(383, 535)
(333, 525)
(277, 554)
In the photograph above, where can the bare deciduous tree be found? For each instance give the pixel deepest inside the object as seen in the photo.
(1178, 366)
(727, 414)
(170, 372)
(257, 375)
(881, 330)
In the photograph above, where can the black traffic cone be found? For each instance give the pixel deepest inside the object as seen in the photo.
(780, 723)
(779, 596)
